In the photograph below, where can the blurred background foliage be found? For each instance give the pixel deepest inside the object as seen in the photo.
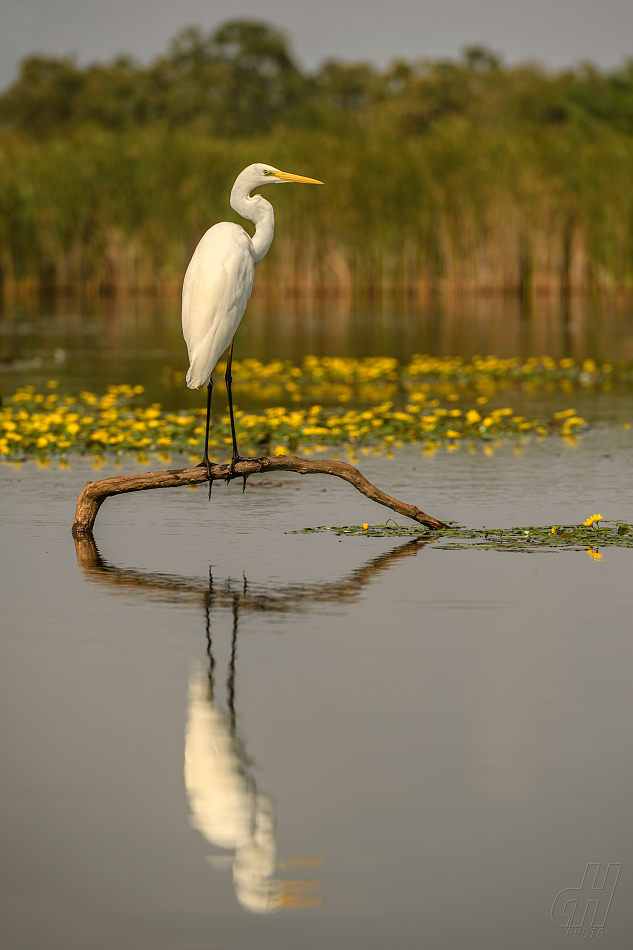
(470, 176)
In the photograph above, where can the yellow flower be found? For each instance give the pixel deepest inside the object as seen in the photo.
(472, 416)
(365, 526)
(553, 529)
(592, 519)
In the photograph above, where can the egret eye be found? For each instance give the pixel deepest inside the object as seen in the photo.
(269, 173)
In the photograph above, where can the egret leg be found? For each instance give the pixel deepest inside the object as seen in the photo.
(205, 463)
(236, 456)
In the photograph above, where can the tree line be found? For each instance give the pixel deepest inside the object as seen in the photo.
(243, 80)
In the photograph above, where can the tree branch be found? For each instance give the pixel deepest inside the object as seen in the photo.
(95, 493)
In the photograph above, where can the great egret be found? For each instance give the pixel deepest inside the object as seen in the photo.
(218, 283)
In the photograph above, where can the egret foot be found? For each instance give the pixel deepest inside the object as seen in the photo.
(239, 458)
(205, 463)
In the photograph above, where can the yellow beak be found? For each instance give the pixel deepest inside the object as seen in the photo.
(286, 176)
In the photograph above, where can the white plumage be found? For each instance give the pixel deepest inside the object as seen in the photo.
(217, 285)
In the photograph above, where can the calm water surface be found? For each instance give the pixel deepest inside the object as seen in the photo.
(219, 735)
(91, 344)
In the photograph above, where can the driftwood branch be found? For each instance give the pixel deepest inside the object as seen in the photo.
(95, 493)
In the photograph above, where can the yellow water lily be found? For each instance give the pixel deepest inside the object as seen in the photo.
(91, 422)
(593, 520)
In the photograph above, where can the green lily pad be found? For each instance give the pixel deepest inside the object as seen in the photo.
(528, 539)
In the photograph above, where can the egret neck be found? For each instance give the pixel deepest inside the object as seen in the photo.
(257, 210)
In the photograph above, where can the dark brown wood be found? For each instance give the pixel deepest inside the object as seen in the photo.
(94, 494)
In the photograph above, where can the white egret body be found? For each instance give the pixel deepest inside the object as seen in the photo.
(217, 287)
(219, 281)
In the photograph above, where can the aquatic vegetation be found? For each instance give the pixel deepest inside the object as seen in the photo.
(43, 423)
(372, 379)
(526, 539)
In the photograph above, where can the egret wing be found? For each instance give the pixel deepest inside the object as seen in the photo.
(217, 285)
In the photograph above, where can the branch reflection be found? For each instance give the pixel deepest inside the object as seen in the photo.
(227, 807)
(282, 598)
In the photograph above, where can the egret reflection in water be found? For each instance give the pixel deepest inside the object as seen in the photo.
(227, 807)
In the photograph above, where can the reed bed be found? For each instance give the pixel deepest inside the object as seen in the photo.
(461, 210)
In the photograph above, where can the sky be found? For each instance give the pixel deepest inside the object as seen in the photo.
(554, 32)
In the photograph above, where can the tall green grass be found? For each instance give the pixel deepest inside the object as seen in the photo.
(464, 208)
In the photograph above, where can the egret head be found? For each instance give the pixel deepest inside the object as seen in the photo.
(259, 174)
